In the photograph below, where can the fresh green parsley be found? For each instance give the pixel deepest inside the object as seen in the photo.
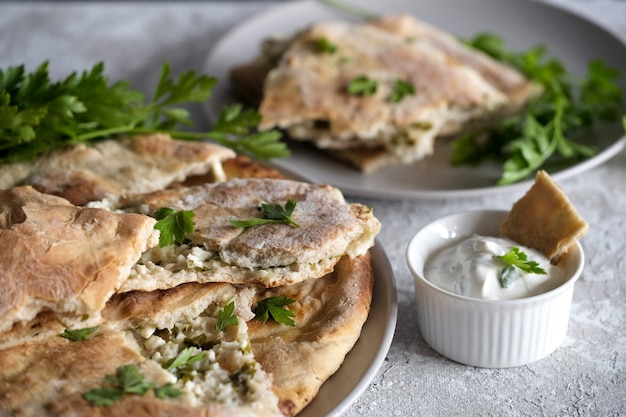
(234, 128)
(362, 86)
(516, 259)
(324, 45)
(185, 357)
(77, 335)
(38, 115)
(226, 317)
(173, 225)
(127, 381)
(167, 391)
(401, 89)
(549, 128)
(272, 213)
(274, 307)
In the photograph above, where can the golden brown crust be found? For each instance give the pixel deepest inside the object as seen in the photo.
(59, 257)
(237, 167)
(162, 308)
(137, 164)
(507, 80)
(544, 219)
(329, 314)
(46, 323)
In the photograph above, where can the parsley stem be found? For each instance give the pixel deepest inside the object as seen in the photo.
(350, 9)
(131, 130)
(105, 133)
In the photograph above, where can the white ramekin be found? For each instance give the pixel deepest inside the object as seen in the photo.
(487, 333)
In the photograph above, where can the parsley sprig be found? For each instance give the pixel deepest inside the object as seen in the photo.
(401, 89)
(274, 307)
(272, 213)
(226, 317)
(173, 225)
(516, 259)
(548, 129)
(77, 335)
(127, 380)
(184, 358)
(38, 115)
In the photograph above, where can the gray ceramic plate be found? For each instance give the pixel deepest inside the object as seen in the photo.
(522, 24)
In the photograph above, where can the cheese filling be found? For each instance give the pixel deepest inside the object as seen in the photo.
(175, 264)
(225, 373)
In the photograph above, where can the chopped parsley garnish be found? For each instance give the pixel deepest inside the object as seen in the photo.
(274, 307)
(77, 335)
(185, 357)
(362, 86)
(324, 45)
(127, 381)
(401, 89)
(516, 259)
(547, 128)
(226, 317)
(173, 225)
(38, 115)
(272, 213)
(167, 391)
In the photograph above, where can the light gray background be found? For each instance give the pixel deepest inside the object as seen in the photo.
(585, 377)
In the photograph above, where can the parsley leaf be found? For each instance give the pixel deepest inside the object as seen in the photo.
(127, 380)
(232, 129)
(324, 45)
(548, 128)
(173, 225)
(167, 391)
(103, 396)
(185, 357)
(226, 317)
(362, 86)
(38, 115)
(274, 307)
(515, 258)
(401, 89)
(77, 335)
(272, 213)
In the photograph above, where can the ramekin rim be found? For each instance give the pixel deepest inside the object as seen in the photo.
(509, 302)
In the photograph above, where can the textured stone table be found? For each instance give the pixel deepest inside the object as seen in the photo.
(585, 377)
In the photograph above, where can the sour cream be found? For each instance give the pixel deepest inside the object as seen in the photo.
(470, 269)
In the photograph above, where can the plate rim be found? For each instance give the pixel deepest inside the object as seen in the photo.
(386, 302)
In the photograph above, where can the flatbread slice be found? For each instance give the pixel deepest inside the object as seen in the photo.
(456, 88)
(57, 257)
(49, 378)
(329, 315)
(269, 255)
(544, 219)
(137, 164)
(164, 323)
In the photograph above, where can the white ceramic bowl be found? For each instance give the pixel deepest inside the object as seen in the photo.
(487, 333)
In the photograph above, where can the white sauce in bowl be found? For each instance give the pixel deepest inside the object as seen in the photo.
(469, 268)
